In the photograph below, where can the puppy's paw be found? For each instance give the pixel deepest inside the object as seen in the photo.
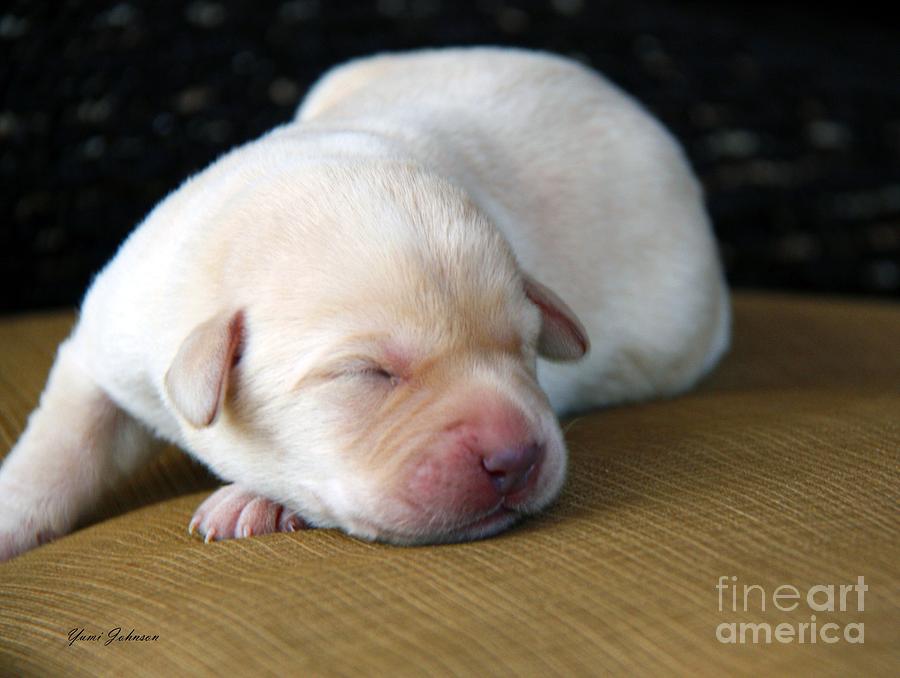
(232, 512)
(25, 522)
(16, 537)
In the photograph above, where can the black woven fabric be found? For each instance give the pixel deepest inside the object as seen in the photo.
(790, 115)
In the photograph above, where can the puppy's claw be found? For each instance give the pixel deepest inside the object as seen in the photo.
(292, 523)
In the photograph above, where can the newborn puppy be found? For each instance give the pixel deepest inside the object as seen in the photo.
(358, 319)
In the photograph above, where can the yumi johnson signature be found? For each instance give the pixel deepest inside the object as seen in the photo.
(116, 635)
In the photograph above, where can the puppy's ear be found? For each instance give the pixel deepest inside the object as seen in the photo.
(198, 377)
(562, 336)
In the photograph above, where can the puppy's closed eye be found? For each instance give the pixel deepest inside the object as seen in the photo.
(356, 371)
(379, 373)
(373, 371)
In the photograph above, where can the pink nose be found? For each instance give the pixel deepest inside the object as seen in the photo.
(510, 469)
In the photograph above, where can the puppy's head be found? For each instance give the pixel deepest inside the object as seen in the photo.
(380, 377)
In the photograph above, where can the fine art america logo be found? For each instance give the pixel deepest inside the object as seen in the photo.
(743, 598)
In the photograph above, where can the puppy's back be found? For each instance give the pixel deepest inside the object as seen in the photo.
(594, 195)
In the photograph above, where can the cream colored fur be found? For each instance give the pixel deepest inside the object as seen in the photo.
(398, 214)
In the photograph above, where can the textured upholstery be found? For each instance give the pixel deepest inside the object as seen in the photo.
(781, 469)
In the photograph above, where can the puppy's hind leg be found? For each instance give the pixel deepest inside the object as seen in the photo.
(76, 445)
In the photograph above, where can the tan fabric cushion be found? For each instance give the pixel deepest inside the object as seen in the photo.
(781, 469)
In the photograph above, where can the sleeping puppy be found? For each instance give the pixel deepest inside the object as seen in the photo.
(370, 318)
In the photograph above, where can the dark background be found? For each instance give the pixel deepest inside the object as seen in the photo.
(791, 115)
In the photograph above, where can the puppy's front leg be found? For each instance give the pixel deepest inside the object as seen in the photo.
(77, 444)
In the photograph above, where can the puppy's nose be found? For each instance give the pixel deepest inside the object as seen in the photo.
(511, 468)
